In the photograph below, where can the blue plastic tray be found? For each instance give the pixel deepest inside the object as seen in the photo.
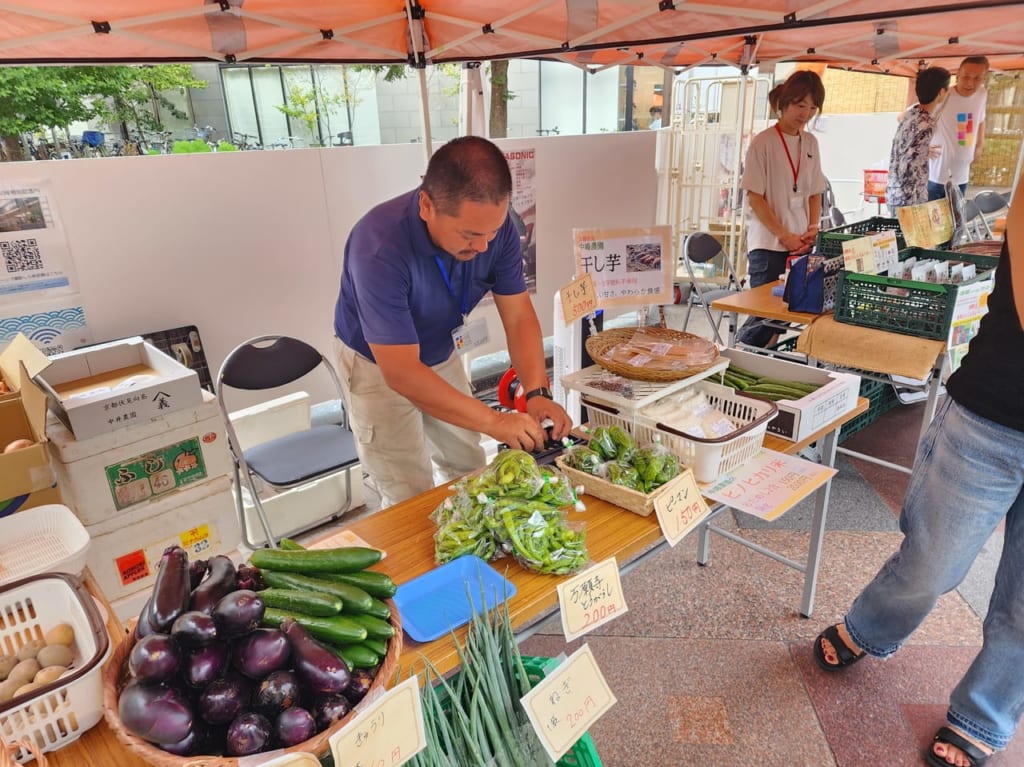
(437, 602)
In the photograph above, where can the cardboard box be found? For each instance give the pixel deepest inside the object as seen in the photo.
(19, 351)
(42, 497)
(23, 416)
(103, 388)
(126, 550)
(798, 419)
(110, 474)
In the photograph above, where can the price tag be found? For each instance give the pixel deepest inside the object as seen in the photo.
(564, 705)
(579, 298)
(859, 255)
(886, 251)
(591, 599)
(680, 509)
(197, 536)
(386, 734)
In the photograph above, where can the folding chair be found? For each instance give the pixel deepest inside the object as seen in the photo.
(292, 460)
(989, 203)
(700, 248)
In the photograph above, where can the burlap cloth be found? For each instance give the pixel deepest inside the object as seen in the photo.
(877, 351)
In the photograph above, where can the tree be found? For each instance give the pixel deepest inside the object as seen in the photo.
(500, 96)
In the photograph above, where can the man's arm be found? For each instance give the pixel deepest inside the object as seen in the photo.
(979, 140)
(526, 351)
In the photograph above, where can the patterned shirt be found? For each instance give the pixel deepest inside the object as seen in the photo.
(908, 162)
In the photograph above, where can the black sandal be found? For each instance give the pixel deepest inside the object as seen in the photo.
(974, 755)
(846, 656)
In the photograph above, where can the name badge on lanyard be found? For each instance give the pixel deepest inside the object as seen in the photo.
(468, 335)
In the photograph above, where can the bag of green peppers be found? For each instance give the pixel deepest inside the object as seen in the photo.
(583, 459)
(613, 443)
(656, 465)
(622, 473)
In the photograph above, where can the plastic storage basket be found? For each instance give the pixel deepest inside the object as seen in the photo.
(61, 711)
(830, 242)
(707, 458)
(44, 539)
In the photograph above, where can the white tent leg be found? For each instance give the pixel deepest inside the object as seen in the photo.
(428, 142)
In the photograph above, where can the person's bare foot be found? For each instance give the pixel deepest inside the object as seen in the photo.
(829, 650)
(955, 756)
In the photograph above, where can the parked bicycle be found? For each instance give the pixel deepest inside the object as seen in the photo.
(246, 141)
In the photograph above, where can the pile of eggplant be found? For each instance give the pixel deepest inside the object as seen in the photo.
(215, 670)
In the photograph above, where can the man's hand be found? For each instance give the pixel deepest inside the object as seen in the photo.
(794, 243)
(517, 430)
(542, 408)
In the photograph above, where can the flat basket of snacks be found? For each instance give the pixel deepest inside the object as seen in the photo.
(257, 667)
(54, 644)
(651, 353)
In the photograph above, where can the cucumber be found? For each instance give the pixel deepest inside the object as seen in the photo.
(375, 627)
(290, 545)
(353, 598)
(802, 385)
(335, 629)
(741, 373)
(306, 602)
(379, 646)
(379, 609)
(346, 559)
(372, 582)
(356, 655)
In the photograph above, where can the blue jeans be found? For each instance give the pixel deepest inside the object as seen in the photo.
(938, 191)
(764, 266)
(968, 477)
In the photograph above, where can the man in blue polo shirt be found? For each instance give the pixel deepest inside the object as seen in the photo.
(414, 268)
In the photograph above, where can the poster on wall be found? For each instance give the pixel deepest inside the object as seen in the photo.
(522, 163)
(630, 267)
(34, 253)
(54, 325)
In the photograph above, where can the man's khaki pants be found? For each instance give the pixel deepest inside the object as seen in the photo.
(398, 444)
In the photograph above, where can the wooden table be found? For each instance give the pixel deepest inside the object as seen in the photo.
(406, 533)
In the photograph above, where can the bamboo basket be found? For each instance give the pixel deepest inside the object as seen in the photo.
(600, 345)
(115, 676)
(623, 497)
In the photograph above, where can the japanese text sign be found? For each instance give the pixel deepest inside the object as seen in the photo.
(927, 225)
(591, 599)
(386, 734)
(630, 267)
(680, 509)
(564, 705)
(579, 298)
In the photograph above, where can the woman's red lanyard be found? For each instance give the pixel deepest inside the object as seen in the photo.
(799, 151)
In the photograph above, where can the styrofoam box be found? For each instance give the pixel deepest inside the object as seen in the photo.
(303, 507)
(125, 550)
(798, 419)
(111, 474)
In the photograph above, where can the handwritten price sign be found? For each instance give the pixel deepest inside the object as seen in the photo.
(591, 599)
(579, 298)
(680, 509)
(387, 734)
(564, 705)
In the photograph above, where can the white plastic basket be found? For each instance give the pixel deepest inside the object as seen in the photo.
(707, 458)
(61, 711)
(44, 539)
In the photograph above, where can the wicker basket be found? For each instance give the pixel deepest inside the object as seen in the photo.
(623, 497)
(115, 676)
(598, 347)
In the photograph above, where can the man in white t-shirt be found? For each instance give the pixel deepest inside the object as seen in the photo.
(960, 129)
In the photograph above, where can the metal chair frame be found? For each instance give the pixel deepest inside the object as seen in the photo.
(699, 248)
(269, 362)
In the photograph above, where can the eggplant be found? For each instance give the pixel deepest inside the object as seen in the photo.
(224, 699)
(194, 629)
(359, 684)
(329, 709)
(261, 652)
(155, 712)
(250, 577)
(171, 589)
(249, 733)
(196, 571)
(238, 613)
(294, 725)
(154, 658)
(205, 664)
(144, 625)
(280, 690)
(320, 670)
(220, 581)
(193, 743)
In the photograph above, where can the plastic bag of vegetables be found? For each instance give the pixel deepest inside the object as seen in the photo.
(655, 464)
(510, 472)
(462, 529)
(613, 443)
(543, 540)
(584, 459)
(622, 473)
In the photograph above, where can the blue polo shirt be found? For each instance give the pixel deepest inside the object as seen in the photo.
(395, 291)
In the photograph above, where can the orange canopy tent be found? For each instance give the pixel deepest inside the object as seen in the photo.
(869, 35)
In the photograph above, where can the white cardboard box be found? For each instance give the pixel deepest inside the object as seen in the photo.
(124, 553)
(110, 474)
(798, 419)
(106, 387)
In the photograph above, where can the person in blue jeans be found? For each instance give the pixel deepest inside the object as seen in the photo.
(783, 182)
(968, 479)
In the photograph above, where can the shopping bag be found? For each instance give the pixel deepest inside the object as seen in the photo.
(811, 284)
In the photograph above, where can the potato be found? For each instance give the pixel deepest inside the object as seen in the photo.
(31, 649)
(26, 689)
(18, 444)
(49, 674)
(62, 633)
(7, 689)
(55, 655)
(25, 671)
(7, 662)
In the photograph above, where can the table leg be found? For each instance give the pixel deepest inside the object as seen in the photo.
(734, 319)
(933, 393)
(821, 499)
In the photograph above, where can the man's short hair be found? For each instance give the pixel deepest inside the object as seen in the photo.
(930, 82)
(981, 61)
(467, 168)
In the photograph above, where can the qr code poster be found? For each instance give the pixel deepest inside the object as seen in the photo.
(630, 267)
(34, 254)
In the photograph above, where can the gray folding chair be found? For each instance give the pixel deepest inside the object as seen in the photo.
(989, 203)
(293, 460)
(701, 248)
